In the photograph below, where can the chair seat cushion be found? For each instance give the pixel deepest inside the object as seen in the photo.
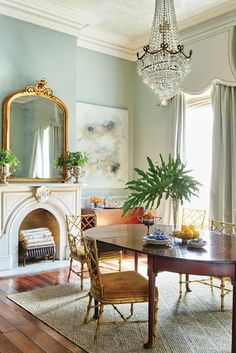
(79, 253)
(124, 285)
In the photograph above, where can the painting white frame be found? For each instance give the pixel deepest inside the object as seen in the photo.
(103, 133)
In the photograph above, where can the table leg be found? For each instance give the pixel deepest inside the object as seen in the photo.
(234, 319)
(151, 303)
(136, 261)
(188, 289)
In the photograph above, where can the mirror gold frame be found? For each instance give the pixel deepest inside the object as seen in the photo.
(39, 89)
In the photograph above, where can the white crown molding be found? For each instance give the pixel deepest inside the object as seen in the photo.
(48, 15)
(207, 15)
(99, 45)
(86, 27)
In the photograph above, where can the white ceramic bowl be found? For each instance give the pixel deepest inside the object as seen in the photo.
(197, 243)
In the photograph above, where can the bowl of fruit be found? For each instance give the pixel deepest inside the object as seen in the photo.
(149, 219)
(186, 233)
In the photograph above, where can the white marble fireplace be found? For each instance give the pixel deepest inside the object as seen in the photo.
(18, 200)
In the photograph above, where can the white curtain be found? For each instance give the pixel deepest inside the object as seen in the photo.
(56, 139)
(223, 178)
(40, 164)
(177, 111)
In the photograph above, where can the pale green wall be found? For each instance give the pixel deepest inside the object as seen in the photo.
(29, 53)
(108, 81)
(151, 125)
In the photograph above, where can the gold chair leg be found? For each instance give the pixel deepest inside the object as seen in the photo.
(180, 285)
(70, 268)
(211, 283)
(81, 275)
(101, 306)
(222, 295)
(88, 309)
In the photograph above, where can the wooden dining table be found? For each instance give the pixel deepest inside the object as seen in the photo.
(217, 258)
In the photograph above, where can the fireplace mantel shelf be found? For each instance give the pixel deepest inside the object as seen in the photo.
(17, 200)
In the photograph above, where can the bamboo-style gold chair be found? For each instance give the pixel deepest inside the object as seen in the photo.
(75, 227)
(228, 228)
(220, 227)
(125, 287)
(194, 217)
(191, 217)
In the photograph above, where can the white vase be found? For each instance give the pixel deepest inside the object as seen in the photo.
(77, 172)
(4, 173)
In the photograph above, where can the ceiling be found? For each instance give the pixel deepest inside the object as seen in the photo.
(116, 27)
(132, 18)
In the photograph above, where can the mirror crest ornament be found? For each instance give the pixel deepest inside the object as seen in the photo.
(40, 87)
(35, 130)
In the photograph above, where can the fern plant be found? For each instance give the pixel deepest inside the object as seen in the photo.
(72, 159)
(167, 180)
(8, 157)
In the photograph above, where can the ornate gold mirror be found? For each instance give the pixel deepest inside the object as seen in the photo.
(35, 130)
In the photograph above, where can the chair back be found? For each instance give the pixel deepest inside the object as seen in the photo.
(223, 227)
(91, 252)
(194, 217)
(75, 226)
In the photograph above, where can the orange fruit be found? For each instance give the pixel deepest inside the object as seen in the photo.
(177, 233)
(189, 234)
(196, 234)
(192, 227)
(184, 228)
(182, 235)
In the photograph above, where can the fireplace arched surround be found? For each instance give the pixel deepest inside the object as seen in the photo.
(18, 200)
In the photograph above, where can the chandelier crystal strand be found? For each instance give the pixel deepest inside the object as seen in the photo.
(164, 64)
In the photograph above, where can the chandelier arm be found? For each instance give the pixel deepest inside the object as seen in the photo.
(165, 49)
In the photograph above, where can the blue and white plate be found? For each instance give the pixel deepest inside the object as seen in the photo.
(153, 240)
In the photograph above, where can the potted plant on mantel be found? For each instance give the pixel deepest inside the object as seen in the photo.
(8, 164)
(74, 163)
(167, 180)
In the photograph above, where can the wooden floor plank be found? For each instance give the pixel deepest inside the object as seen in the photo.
(24, 344)
(47, 343)
(57, 336)
(7, 346)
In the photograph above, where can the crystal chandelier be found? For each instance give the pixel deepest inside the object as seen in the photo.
(164, 64)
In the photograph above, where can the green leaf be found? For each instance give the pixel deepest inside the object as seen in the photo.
(168, 179)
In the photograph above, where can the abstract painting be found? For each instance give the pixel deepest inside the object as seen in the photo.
(103, 133)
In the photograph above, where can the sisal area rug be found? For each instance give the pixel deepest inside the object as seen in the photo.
(193, 324)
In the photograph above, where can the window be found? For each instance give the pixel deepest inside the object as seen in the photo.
(199, 122)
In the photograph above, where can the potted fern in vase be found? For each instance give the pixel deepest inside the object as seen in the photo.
(164, 180)
(73, 162)
(8, 164)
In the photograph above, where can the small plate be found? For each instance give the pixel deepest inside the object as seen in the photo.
(157, 242)
(196, 244)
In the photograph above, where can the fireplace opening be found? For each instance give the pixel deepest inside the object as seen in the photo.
(41, 218)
